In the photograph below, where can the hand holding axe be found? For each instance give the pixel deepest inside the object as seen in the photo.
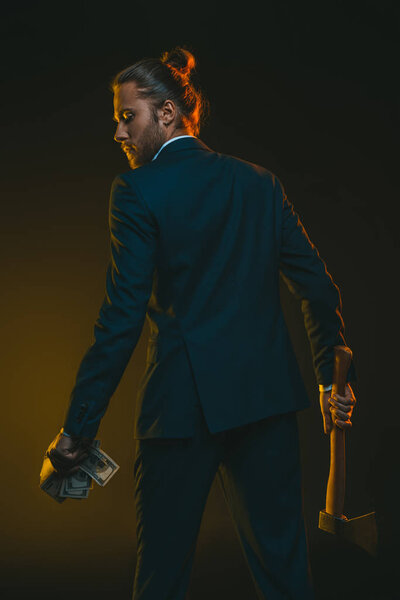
(359, 530)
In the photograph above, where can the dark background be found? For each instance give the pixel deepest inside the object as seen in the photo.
(306, 89)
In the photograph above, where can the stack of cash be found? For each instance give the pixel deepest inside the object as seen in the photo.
(97, 466)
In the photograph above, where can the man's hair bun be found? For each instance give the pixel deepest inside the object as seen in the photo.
(181, 60)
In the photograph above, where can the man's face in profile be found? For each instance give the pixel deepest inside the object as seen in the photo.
(139, 134)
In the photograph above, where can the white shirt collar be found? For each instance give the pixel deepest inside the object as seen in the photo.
(178, 137)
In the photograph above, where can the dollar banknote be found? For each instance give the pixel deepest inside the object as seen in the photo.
(76, 485)
(50, 482)
(98, 466)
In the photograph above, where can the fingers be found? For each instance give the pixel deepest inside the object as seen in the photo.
(348, 398)
(343, 404)
(67, 453)
(341, 408)
(65, 465)
(59, 462)
(74, 470)
(341, 420)
(344, 424)
(337, 409)
(341, 414)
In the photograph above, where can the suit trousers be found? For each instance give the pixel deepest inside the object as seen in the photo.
(258, 468)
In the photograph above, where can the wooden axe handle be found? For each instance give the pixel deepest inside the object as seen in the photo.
(337, 472)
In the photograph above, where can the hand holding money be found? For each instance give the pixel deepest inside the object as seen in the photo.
(65, 453)
(73, 479)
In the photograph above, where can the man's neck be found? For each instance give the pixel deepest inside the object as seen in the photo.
(170, 139)
(176, 133)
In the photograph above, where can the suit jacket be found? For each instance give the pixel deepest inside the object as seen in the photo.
(198, 242)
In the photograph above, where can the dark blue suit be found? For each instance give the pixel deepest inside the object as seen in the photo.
(199, 240)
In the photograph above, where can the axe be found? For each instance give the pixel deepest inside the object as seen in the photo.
(359, 530)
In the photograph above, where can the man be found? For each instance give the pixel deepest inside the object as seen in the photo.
(198, 241)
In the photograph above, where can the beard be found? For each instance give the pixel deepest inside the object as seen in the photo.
(151, 140)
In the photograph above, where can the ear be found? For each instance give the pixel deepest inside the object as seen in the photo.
(168, 113)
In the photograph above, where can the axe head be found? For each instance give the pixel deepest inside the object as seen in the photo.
(360, 530)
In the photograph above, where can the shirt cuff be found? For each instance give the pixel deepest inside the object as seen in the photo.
(66, 434)
(325, 388)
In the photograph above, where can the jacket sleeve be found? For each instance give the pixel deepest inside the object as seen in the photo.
(308, 279)
(129, 279)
